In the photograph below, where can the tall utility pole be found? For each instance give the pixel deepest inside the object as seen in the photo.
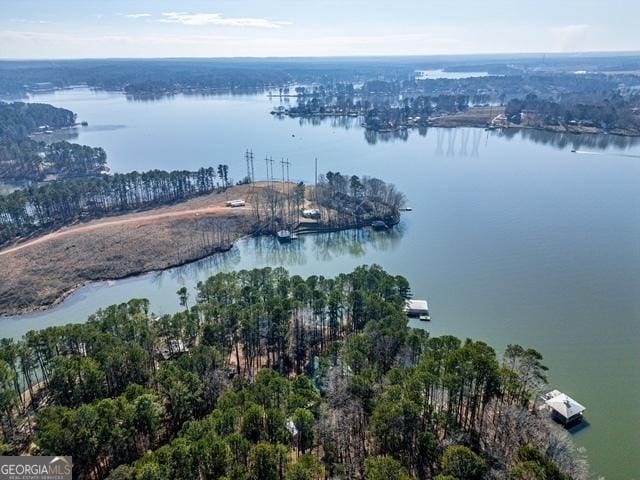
(288, 186)
(271, 163)
(253, 176)
(271, 197)
(267, 161)
(286, 163)
(247, 159)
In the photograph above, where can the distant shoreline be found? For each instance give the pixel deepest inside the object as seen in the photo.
(475, 117)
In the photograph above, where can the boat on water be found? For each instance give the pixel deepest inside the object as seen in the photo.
(406, 209)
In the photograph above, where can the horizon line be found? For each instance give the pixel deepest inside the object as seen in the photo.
(345, 56)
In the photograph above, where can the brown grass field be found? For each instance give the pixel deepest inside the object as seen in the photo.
(42, 271)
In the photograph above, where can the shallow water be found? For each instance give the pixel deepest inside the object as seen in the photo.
(512, 238)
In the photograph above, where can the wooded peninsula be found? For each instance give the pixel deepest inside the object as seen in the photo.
(22, 158)
(268, 376)
(139, 222)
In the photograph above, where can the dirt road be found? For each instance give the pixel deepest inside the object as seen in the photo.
(44, 270)
(139, 219)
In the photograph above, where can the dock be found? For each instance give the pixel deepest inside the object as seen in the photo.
(379, 225)
(564, 409)
(284, 236)
(417, 309)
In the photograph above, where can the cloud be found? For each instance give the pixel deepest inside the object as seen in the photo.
(31, 21)
(569, 37)
(137, 15)
(29, 44)
(217, 19)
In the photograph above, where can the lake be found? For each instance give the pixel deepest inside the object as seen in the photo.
(513, 238)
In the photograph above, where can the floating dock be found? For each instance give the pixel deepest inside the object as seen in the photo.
(417, 308)
(284, 236)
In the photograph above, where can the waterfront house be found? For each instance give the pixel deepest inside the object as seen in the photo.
(311, 213)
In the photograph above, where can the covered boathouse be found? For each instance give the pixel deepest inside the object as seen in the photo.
(417, 308)
(564, 409)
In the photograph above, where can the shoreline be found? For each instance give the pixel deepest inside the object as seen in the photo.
(468, 120)
(306, 230)
(4, 314)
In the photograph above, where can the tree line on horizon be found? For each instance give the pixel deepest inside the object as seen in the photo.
(607, 112)
(267, 376)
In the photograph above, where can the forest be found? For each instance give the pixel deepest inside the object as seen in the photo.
(38, 208)
(344, 201)
(381, 112)
(478, 90)
(267, 376)
(610, 113)
(500, 87)
(564, 103)
(23, 158)
(351, 200)
(151, 78)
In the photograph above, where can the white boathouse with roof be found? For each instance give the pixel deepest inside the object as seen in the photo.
(417, 308)
(563, 408)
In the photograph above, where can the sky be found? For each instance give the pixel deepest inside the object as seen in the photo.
(275, 28)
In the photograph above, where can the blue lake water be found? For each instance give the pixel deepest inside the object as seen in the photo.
(512, 238)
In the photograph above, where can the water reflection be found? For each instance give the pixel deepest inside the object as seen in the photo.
(72, 133)
(346, 123)
(372, 137)
(262, 251)
(200, 269)
(154, 96)
(354, 243)
(569, 140)
(557, 140)
(268, 251)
